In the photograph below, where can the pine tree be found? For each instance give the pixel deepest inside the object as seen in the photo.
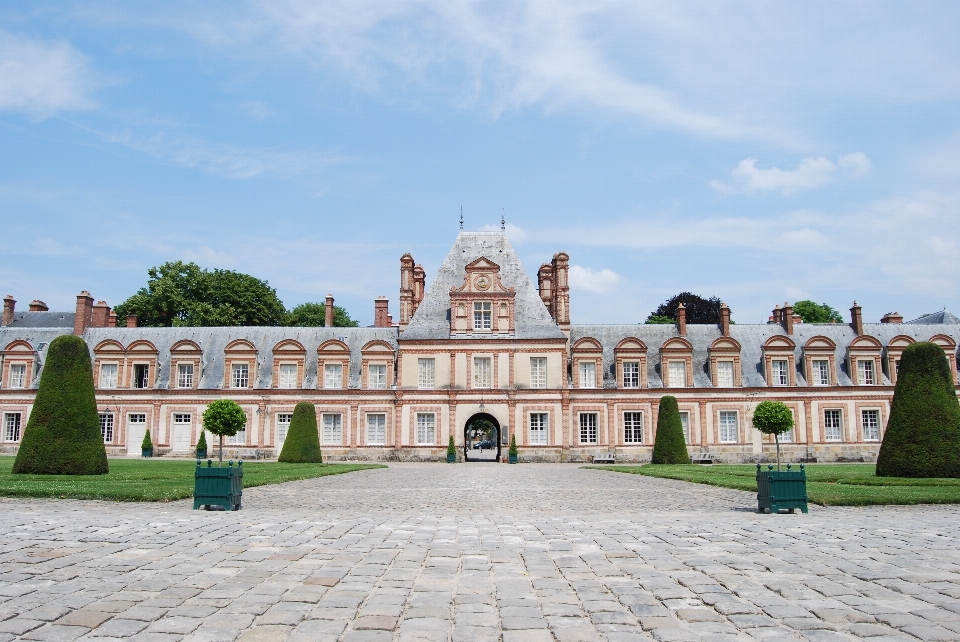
(669, 446)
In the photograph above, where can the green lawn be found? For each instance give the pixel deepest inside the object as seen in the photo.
(827, 484)
(152, 480)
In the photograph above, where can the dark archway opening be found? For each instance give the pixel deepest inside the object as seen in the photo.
(481, 438)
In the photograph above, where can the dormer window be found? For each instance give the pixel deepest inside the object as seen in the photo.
(865, 372)
(482, 316)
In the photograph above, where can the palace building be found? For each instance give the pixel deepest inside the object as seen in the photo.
(482, 355)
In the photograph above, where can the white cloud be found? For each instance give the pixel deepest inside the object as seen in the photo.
(810, 173)
(599, 282)
(516, 234)
(42, 78)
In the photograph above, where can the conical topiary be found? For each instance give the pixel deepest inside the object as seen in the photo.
(147, 443)
(302, 444)
(63, 434)
(451, 447)
(513, 446)
(202, 442)
(923, 433)
(669, 446)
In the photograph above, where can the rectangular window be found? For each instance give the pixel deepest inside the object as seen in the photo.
(685, 422)
(588, 374)
(832, 425)
(287, 379)
(108, 375)
(482, 372)
(425, 373)
(18, 375)
(239, 375)
(332, 375)
(725, 374)
(482, 315)
(678, 374)
(588, 428)
(11, 426)
(185, 375)
(332, 430)
(821, 372)
(871, 424)
(631, 374)
(865, 372)
(426, 424)
(106, 427)
(729, 431)
(538, 372)
(633, 427)
(377, 376)
(539, 425)
(376, 430)
(779, 375)
(283, 425)
(141, 375)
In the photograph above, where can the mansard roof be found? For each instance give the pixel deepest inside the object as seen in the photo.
(27, 319)
(432, 318)
(941, 317)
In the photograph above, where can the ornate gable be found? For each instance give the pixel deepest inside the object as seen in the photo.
(482, 305)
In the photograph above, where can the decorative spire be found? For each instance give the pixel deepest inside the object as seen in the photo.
(461, 217)
(503, 221)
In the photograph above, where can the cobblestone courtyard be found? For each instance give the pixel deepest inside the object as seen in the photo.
(477, 552)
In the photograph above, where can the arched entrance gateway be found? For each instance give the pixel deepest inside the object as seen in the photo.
(481, 438)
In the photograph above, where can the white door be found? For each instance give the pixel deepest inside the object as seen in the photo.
(136, 429)
(181, 433)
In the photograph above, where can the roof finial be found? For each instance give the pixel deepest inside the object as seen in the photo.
(461, 217)
(503, 221)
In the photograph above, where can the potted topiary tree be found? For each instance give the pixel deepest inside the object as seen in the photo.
(302, 444)
(146, 446)
(63, 435)
(669, 446)
(202, 445)
(778, 489)
(513, 449)
(451, 451)
(220, 486)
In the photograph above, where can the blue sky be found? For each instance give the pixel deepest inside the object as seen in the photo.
(758, 152)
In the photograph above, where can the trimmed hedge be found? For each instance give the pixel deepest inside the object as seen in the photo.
(63, 434)
(302, 445)
(923, 433)
(669, 447)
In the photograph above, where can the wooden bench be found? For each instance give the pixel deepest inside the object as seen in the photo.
(249, 453)
(608, 458)
(701, 458)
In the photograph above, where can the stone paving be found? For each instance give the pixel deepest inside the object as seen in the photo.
(477, 552)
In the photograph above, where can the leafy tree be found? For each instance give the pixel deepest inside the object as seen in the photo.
(314, 315)
(183, 294)
(63, 434)
(302, 444)
(699, 310)
(669, 446)
(224, 417)
(773, 418)
(812, 312)
(923, 433)
(656, 319)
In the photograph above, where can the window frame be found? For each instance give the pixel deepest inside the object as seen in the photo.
(21, 378)
(685, 425)
(821, 371)
(285, 379)
(863, 372)
(424, 422)
(374, 442)
(482, 366)
(671, 367)
(335, 428)
(538, 372)
(723, 373)
(141, 382)
(539, 428)
(724, 439)
(115, 379)
(587, 430)
(12, 429)
(584, 381)
(378, 380)
(185, 372)
(332, 376)
(426, 373)
(278, 423)
(633, 427)
(107, 426)
(838, 427)
(631, 374)
(242, 369)
(483, 316)
(779, 372)
(863, 424)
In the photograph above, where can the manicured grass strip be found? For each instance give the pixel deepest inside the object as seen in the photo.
(827, 484)
(139, 480)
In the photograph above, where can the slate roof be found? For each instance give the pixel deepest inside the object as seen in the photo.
(751, 338)
(942, 317)
(212, 342)
(39, 338)
(43, 320)
(432, 318)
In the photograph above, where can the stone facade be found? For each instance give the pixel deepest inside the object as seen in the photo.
(482, 341)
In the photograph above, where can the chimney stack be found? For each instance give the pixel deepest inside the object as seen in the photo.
(9, 306)
(788, 318)
(892, 317)
(856, 319)
(328, 322)
(84, 313)
(682, 319)
(724, 320)
(381, 312)
(38, 306)
(131, 320)
(112, 319)
(101, 314)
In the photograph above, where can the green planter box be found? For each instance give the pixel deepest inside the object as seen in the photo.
(221, 486)
(202, 454)
(512, 459)
(781, 489)
(451, 458)
(146, 452)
